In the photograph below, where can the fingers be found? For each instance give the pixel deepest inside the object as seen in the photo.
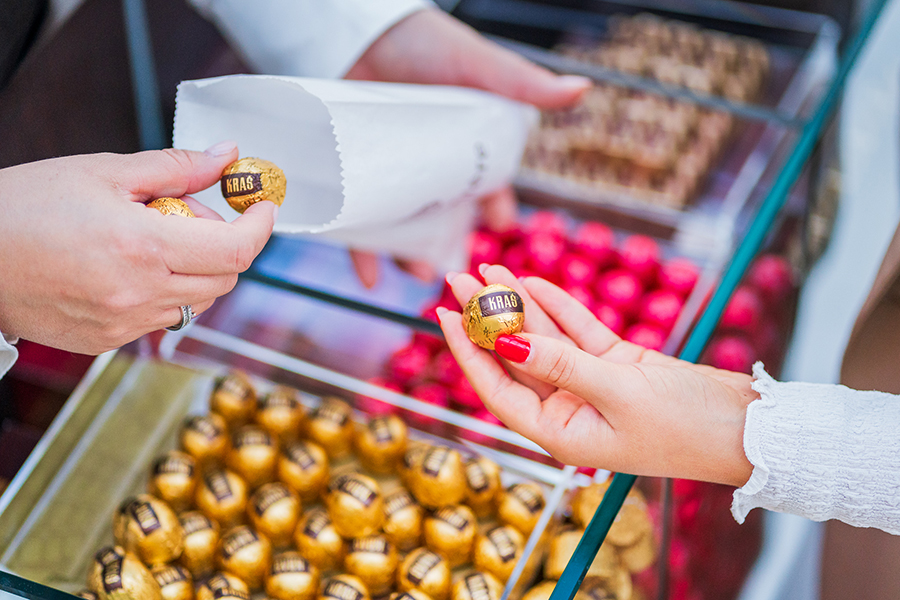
(536, 319)
(172, 316)
(201, 211)
(420, 269)
(170, 172)
(513, 403)
(498, 209)
(208, 247)
(564, 366)
(366, 266)
(491, 67)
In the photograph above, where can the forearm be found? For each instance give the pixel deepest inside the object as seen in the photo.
(309, 38)
(822, 452)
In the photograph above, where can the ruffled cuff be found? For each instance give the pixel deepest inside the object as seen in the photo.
(8, 353)
(746, 498)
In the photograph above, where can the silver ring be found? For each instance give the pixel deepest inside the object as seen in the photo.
(187, 313)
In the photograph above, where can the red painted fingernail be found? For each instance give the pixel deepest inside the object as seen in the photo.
(513, 348)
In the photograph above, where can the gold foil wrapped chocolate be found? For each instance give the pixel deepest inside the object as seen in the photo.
(245, 553)
(173, 478)
(585, 501)
(541, 591)
(303, 467)
(477, 586)
(292, 577)
(355, 504)
(147, 527)
(280, 413)
(330, 426)
(249, 180)
(640, 555)
(344, 587)
(410, 595)
(411, 459)
(253, 455)
(234, 398)
(87, 594)
(425, 571)
(274, 511)
(206, 438)
(482, 485)
(632, 521)
(439, 479)
(450, 531)
(521, 506)
(222, 585)
(498, 550)
(495, 310)
(121, 576)
(562, 547)
(403, 519)
(175, 583)
(374, 560)
(172, 206)
(318, 541)
(380, 444)
(222, 495)
(201, 538)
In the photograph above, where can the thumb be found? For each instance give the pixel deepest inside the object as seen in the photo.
(560, 364)
(171, 172)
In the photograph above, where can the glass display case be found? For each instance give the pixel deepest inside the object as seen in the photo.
(301, 318)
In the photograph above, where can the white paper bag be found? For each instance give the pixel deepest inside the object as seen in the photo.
(378, 166)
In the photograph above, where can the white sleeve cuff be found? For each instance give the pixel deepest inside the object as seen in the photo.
(822, 452)
(308, 38)
(8, 354)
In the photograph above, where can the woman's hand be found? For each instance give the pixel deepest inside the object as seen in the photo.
(86, 267)
(432, 47)
(591, 399)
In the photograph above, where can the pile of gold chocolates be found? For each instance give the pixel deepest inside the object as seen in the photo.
(630, 548)
(634, 144)
(266, 497)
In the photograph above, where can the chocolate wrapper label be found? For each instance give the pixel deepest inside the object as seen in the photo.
(340, 590)
(500, 303)
(434, 460)
(289, 564)
(381, 430)
(375, 545)
(316, 523)
(268, 497)
(506, 548)
(237, 541)
(241, 184)
(476, 477)
(218, 485)
(145, 516)
(451, 517)
(477, 587)
(421, 567)
(112, 575)
(173, 465)
(298, 455)
(169, 575)
(195, 522)
(397, 501)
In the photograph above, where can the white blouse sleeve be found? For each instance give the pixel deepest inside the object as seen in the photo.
(822, 452)
(8, 353)
(309, 38)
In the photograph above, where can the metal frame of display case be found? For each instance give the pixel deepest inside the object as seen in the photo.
(599, 526)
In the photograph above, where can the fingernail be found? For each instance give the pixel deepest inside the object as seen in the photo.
(221, 149)
(440, 311)
(450, 276)
(512, 347)
(483, 267)
(275, 213)
(574, 82)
